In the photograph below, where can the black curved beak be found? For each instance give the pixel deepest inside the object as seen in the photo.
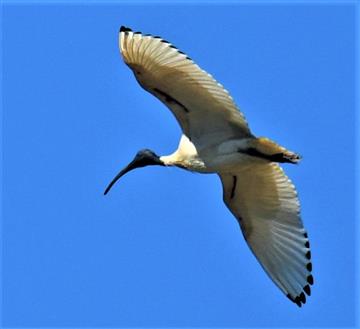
(142, 159)
(132, 165)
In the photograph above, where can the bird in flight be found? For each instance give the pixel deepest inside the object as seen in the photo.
(217, 139)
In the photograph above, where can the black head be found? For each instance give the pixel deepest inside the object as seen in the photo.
(142, 159)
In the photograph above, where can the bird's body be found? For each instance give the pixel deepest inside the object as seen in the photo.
(226, 156)
(217, 139)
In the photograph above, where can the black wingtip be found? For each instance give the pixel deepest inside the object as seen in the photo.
(310, 279)
(309, 266)
(298, 300)
(307, 290)
(302, 298)
(125, 29)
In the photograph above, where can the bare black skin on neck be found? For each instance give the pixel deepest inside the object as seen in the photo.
(142, 159)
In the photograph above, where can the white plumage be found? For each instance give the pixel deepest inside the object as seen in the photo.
(217, 139)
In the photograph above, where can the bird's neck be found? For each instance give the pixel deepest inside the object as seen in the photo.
(171, 160)
(189, 163)
(186, 157)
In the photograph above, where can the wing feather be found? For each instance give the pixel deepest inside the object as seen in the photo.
(160, 66)
(265, 203)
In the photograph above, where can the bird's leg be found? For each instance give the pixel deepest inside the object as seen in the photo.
(265, 148)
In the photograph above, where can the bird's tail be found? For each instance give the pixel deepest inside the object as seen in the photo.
(273, 151)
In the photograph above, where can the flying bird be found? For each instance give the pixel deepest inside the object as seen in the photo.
(217, 139)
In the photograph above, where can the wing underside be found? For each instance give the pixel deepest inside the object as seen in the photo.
(203, 108)
(265, 203)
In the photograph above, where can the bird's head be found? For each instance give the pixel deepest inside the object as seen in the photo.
(143, 158)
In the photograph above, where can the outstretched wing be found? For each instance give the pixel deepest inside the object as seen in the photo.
(265, 203)
(204, 109)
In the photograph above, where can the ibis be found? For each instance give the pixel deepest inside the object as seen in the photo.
(217, 139)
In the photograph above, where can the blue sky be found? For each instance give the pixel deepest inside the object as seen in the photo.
(161, 249)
